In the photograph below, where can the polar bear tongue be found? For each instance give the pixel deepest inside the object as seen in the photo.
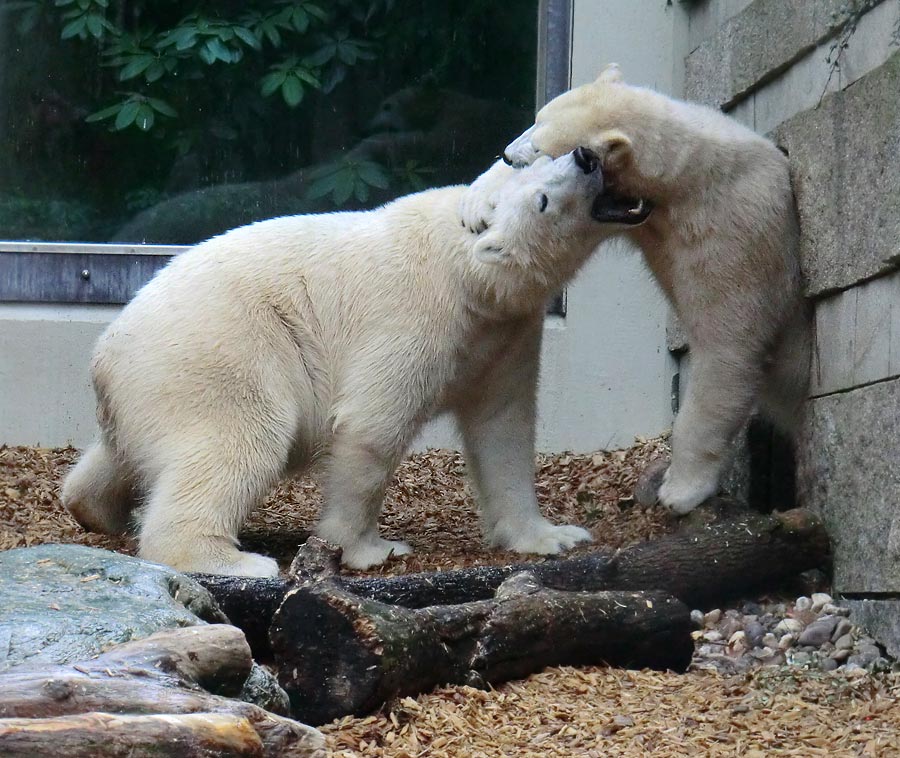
(611, 208)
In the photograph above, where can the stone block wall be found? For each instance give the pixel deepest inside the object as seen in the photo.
(822, 78)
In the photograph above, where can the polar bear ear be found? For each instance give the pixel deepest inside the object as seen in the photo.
(490, 247)
(615, 147)
(611, 74)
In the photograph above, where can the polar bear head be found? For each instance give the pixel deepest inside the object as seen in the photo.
(605, 115)
(549, 217)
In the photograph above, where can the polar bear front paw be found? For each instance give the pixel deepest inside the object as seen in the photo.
(539, 537)
(476, 206)
(366, 554)
(253, 564)
(476, 210)
(681, 496)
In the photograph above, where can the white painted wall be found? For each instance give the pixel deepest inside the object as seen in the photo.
(45, 388)
(606, 373)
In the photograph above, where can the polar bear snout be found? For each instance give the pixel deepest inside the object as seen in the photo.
(586, 159)
(521, 151)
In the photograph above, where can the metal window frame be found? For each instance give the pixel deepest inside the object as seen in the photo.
(110, 274)
(554, 74)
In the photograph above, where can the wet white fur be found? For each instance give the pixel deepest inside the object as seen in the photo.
(722, 243)
(331, 339)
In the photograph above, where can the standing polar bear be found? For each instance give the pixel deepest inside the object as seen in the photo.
(335, 337)
(722, 242)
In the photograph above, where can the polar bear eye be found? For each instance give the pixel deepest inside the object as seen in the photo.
(542, 202)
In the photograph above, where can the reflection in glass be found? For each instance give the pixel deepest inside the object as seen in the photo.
(168, 122)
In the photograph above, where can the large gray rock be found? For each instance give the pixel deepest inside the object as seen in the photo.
(849, 473)
(64, 603)
(881, 618)
(847, 181)
(757, 44)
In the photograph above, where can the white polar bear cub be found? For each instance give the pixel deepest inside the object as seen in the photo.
(722, 242)
(335, 337)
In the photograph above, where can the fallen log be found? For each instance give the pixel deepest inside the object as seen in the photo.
(165, 673)
(339, 653)
(103, 735)
(701, 566)
(731, 552)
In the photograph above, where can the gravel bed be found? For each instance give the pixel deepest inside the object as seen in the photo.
(810, 632)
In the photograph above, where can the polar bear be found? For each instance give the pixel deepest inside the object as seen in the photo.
(332, 338)
(722, 242)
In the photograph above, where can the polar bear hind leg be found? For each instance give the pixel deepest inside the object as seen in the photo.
(201, 496)
(98, 493)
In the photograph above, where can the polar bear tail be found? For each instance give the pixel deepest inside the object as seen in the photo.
(98, 494)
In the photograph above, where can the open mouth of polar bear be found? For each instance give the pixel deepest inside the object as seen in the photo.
(612, 208)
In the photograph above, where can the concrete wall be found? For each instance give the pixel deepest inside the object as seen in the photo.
(45, 392)
(768, 65)
(606, 372)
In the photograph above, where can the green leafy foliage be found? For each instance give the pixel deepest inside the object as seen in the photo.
(291, 77)
(84, 18)
(413, 176)
(177, 67)
(132, 103)
(313, 38)
(137, 109)
(346, 179)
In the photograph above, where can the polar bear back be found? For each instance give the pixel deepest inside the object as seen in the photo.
(279, 308)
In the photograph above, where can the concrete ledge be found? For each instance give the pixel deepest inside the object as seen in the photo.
(849, 473)
(45, 386)
(756, 45)
(847, 181)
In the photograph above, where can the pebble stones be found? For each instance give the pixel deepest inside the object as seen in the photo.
(813, 632)
(818, 632)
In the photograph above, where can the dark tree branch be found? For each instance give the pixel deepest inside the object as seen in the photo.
(340, 653)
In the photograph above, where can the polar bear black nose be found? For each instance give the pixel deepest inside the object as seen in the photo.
(587, 160)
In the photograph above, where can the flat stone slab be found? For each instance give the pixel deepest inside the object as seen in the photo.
(846, 178)
(756, 45)
(849, 473)
(64, 603)
(857, 336)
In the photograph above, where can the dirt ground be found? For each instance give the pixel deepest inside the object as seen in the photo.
(559, 712)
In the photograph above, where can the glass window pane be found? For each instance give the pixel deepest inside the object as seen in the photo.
(168, 122)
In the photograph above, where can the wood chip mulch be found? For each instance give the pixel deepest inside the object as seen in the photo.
(565, 711)
(596, 712)
(428, 504)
